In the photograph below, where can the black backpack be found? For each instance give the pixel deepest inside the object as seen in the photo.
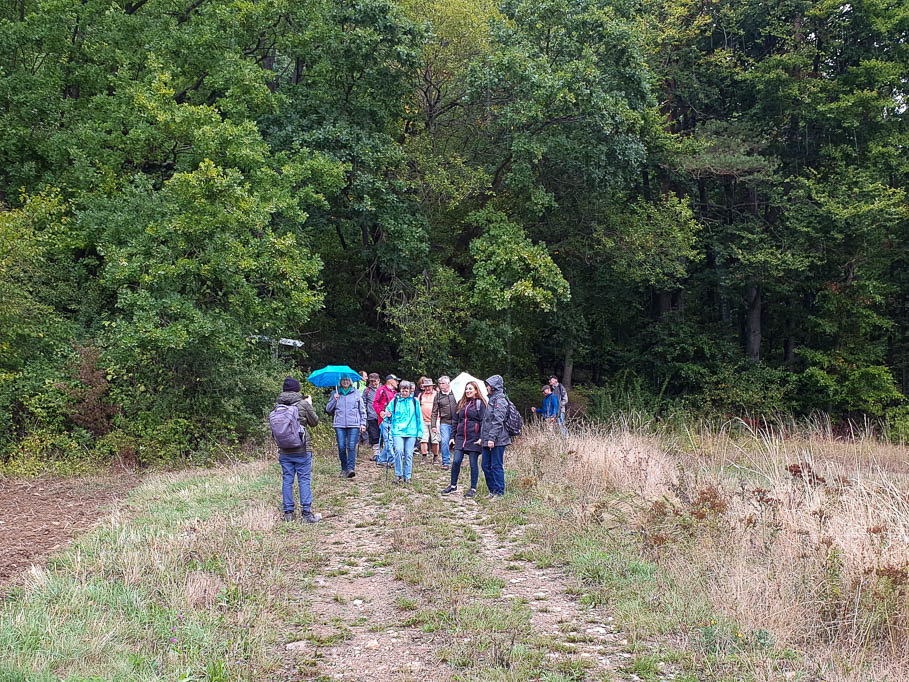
(513, 421)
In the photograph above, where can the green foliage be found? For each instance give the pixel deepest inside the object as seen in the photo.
(509, 270)
(836, 383)
(429, 321)
(746, 389)
(702, 205)
(652, 242)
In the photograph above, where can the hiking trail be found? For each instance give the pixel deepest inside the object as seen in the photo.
(369, 617)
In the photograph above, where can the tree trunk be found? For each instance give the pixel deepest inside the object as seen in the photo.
(678, 302)
(298, 70)
(568, 368)
(789, 352)
(753, 324)
(664, 303)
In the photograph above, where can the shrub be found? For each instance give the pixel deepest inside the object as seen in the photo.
(744, 388)
(87, 406)
(48, 451)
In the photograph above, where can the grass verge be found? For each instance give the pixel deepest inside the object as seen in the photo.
(185, 581)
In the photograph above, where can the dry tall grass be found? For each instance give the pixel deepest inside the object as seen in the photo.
(801, 537)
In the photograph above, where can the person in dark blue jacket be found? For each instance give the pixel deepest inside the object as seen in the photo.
(466, 432)
(550, 411)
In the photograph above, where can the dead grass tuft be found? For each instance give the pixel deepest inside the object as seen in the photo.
(201, 589)
(259, 518)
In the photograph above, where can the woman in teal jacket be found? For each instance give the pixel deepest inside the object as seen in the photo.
(406, 429)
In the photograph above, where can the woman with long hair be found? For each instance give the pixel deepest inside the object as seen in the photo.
(467, 423)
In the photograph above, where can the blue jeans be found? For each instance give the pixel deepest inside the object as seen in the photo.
(474, 467)
(300, 465)
(404, 456)
(387, 453)
(562, 423)
(347, 446)
(445, 433)
(494, 469)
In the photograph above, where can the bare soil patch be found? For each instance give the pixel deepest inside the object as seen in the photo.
(38, 516)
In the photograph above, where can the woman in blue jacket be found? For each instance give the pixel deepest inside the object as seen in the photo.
(467, 422)
(347, 405)
(406, 429)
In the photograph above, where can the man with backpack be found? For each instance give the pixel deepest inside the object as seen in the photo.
(500, 422)
(288, 420)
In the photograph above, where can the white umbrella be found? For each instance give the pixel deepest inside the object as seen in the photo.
(459, 383)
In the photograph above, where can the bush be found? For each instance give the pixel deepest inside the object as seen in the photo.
(744, 388)
(46, 451)
(838, 384)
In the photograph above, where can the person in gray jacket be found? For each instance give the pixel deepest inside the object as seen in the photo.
(372, 417)
(297, 463)
(349, 410)
(493, 436)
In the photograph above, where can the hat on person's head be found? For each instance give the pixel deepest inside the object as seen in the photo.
(291, 385)
(373, 375)
(427, 383)
(392, 376)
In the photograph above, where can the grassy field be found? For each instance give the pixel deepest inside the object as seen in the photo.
(618, 553)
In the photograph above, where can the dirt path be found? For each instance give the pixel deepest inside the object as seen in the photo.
(383, 605)
(39, 516)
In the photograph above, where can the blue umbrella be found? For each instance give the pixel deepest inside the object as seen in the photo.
(331, 375)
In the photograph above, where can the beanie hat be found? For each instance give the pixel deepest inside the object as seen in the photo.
(291, 385)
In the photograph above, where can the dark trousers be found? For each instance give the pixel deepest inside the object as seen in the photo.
(474, 466)
(372, 431)
(494, 469)
(297, 465)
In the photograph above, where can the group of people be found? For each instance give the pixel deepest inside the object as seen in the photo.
(399, 418)
(555, 400)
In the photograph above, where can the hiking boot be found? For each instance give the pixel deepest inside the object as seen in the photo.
(343, 473)
(351, 473)
(373, 458)
(309, 517)
(434, 458)
(471, 493)
(446, 467)
(399, 480)
(288, 516)
(424, 459)
(449, 490)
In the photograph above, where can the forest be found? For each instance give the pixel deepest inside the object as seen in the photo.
(690, 206)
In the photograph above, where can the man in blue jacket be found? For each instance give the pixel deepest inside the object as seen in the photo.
(550, 411)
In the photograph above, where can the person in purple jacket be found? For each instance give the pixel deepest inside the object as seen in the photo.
(467, 423)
